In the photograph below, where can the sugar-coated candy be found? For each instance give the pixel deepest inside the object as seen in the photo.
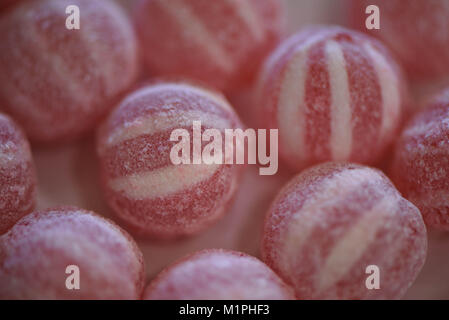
(420, 167)
(36, 253)
(334, 94)
(335, 225)
(156, 197)
(220, 42)
(219, 275)
(57, 82)
(17, 174)
(416, 31)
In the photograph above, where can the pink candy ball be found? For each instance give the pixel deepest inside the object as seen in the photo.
(331, 92)
(35, 253)
(154, 196)
(57, 82)
(334, 220)
(416, 31)
(17, 174)
(420, 167)
(219, 275)
(221, 42)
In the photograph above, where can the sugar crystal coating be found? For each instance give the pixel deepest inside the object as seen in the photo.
(218, 42)
(57, 82)
(334, 220)
(218, 274)
(35, 253)
(416, 31)
(331, 92)
(154, 196)
(17, 174)
(420, 167)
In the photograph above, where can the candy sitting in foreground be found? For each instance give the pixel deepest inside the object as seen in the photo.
(55, 82)
(35, 253)
(421, 163)
(331, 92)
(142, 184)
(17, 174)
(218, 274)
(333, 221)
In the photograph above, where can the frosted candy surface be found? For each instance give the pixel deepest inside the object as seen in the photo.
(217, 274)
(57, 82)
(421, 164)
(17, 174)
(34, 255)
(219, 42)
(331, 92)
(142, 185)
(334, 220)
(417, 31)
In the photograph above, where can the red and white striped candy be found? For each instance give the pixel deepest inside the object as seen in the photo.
(333, 221)
(217, 274)
(36, 252)
(420, 167)
(17, 174)
(220, 42)
(333, 93)
(142, 185)
(56, 82)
